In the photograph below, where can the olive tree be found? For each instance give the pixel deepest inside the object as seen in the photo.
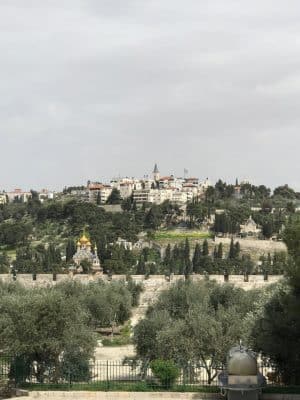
(44, 327)
(193, 324)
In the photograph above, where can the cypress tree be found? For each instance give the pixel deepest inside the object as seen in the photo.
(215, 252)
(197, 258)
(205, 251)
(114, 197)
(52, 253)
(186, 252)
(70, 250)
(220, 251)
(98, 200)
(174, 259)
(167, 259)
(141, 267)
(188, 269)
(134, 207)
(237, 249)
(231, 253)
(217, 225)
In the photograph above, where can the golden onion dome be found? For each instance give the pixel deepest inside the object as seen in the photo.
(83, 239)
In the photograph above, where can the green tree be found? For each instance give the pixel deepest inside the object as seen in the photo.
(267, 229)
(13, 233)
(86, 266)
(42, 326)
(210, 195)
(196, 212)
(186, 250)
(197, 259)
(70, 250)
(220, 251)
(4, 263)
(276, 331)
(167, 258)
(205, 251)
(127, 203)
(98, 199)
(231, 254)
(237, 250)
(154, 217)
(114, 197)
(193, 323)
(285, 191)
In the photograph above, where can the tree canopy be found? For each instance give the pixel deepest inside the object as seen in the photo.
(194, 323)
(276, 329)
(54, 327)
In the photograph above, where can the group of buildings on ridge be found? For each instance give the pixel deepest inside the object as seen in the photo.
(149, 189)
(18, 195)
(154, 189)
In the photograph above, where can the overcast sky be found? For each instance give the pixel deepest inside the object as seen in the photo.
(92, 89)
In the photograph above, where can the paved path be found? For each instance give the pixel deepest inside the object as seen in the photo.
(152, 289)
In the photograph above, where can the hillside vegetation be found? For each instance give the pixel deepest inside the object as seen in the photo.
(40, 237)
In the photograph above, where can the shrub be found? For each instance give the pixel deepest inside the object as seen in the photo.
(166, 371)
(116, 341)
(135, 289)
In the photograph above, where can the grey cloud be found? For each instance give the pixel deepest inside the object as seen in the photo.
(92, 89)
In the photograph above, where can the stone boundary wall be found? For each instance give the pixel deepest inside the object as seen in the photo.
(42, 280)
(55, 395)
(254, 246)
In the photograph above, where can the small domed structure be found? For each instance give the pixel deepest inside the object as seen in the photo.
(241, 362)
(242, 380)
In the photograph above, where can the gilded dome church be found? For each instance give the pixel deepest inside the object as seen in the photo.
(84, 252)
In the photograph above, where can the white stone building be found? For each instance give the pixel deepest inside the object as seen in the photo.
(18, 195)
(3, 199)
(250, 228)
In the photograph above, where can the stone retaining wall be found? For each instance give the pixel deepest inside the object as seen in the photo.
(255, 281)
(144, 396)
